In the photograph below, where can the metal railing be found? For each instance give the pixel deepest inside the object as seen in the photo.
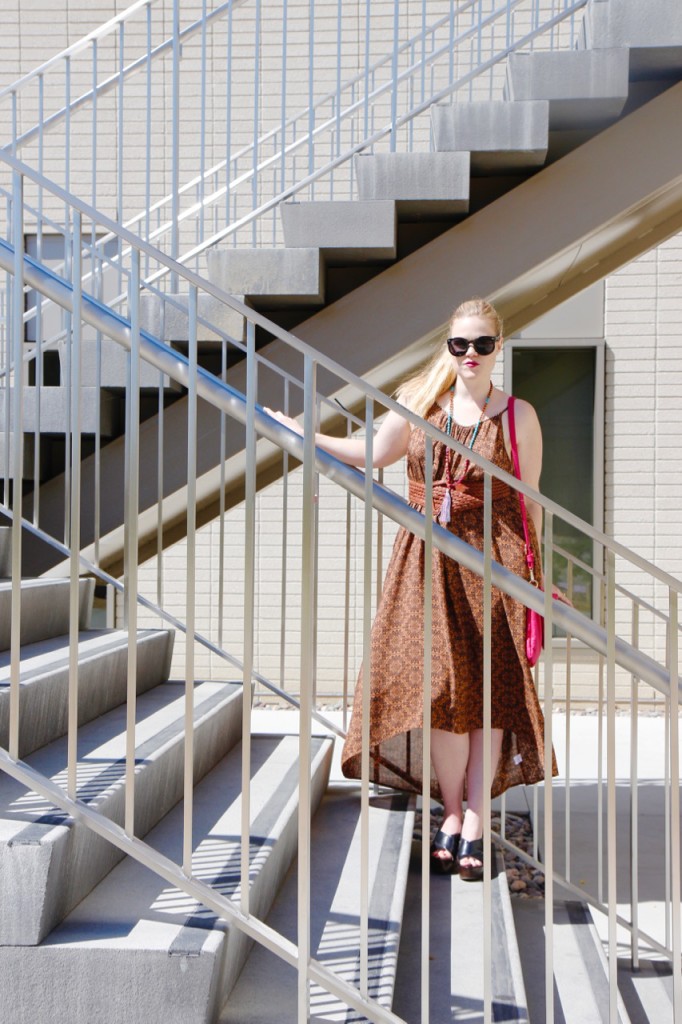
(230, 156)
(240, 410)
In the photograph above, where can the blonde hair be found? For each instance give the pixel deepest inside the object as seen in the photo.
(418, 393)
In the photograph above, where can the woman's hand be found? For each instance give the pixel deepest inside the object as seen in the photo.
(559, 595)
(286, 421)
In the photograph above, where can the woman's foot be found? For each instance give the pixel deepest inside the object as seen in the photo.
(444, 852)
(470, 859)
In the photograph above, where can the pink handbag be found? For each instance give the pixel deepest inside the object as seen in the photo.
(535, 623)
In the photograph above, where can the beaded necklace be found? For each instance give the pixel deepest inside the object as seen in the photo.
(457, 485)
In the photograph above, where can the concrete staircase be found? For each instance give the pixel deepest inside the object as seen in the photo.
(89, 934)
(370, 282)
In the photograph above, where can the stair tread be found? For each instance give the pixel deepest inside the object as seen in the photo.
(160, 720)
(131, 895)
(335, 925)
(43, 656)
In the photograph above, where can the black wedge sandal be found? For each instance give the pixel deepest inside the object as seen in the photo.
(442, 841)
(470, 848)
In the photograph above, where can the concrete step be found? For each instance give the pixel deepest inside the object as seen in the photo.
(267, 981)
(281, 277)
(501, 136)
(139, 951)
(422, 184)
(581, 990)
(166, 317)
(346, 231)
(456, 951)
(44, 609)
(112, 371)
(654, 38)
(102, 680)
(96, 408)
(49, 863)
(584, 88)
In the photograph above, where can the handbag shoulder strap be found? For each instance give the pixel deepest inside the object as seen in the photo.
(530, 557)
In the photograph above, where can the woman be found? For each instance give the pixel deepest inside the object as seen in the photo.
(455, 393)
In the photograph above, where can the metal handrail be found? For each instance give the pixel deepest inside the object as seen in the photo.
(225, 398)
(60, 291)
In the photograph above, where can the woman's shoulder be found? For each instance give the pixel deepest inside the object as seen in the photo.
(525, 416)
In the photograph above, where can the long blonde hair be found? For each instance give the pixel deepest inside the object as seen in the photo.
(418, 393)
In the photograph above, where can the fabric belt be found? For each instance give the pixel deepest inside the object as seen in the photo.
(463, 496)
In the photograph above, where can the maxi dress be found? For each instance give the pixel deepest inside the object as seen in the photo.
(397, 646)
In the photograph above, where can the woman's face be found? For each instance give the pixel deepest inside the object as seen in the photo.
(472, 363)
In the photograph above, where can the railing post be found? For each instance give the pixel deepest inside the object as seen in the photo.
(634, 802)
(611, 821)
(487, 749)
(192, 403)
(548, 852)
(307, 683)
(17, 460)
(249, 602)
(75, 502)
(673, 658)
(366, 698)
(426, 738)
(131, 485)
(175, 143)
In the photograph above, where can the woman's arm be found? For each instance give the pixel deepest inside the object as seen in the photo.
(390, 441)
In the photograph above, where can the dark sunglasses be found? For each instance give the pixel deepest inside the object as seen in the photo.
(483, 346)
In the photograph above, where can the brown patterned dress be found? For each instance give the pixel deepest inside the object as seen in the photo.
(397, 661)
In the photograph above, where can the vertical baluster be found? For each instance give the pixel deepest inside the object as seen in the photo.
(346, 606)
(367, 63)
(131, 497)
(160, 444)
(567, 808)
(283, 129)
(487, 749)
(548, 852)
(634, 800)
(175, 144)
(249, 601)
(66, 316)
(228, 117)
(426, 739)
(256, 107)
(339, 41)
(202, 141)
(366, 694)
(423, 55)
(311, 92)
(667, 759)
(612, 838)
(394, 75)
(191, 582)
(307, 674)
(16, 467)
(221, 500)
(120, 151)
(149, 149)
(285, 534)
(39, 313)
(74, 341)
(600, 754)
(673, 659)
